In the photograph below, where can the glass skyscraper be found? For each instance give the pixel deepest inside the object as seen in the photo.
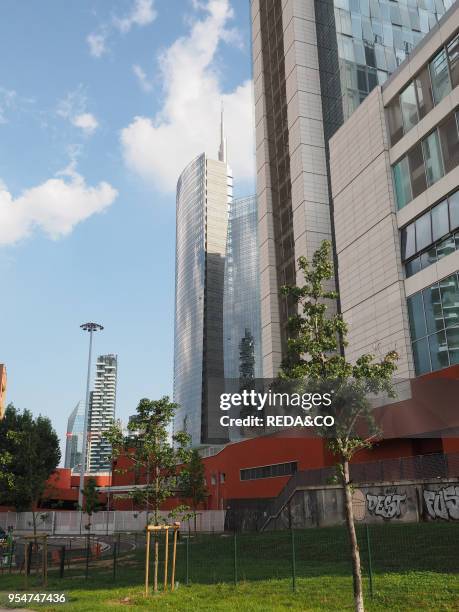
(74, 437)
(314, 62)
(204, 193)
(241, 313)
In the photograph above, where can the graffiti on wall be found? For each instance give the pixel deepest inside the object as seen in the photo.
(443, 503)
(387, 506)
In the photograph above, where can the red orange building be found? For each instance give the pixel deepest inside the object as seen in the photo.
(257, 469)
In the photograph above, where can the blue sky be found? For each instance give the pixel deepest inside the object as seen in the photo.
(101, 106)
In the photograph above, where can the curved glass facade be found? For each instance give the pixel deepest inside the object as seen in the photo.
(74, 439)
(241, 314)
(203, 195)
(189, 296)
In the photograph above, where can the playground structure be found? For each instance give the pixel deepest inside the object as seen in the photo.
(156, 530)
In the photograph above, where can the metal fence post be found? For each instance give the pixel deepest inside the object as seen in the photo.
(188, 560)
(370, 568)
(115, 546)
(11, 556)
(235, 558)
(293, 560)
(62, 562)
(30, 558)
(87, 555)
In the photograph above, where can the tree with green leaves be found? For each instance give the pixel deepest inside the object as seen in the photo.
(29, 454)
(155, 457)
(315, 356)
(91, 502)
(193, 483)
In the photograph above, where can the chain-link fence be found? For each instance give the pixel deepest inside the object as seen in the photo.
(299, 559)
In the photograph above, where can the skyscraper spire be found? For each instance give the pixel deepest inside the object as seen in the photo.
(222, 149)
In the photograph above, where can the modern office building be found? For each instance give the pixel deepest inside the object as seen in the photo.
(102, 406)
(74, 437)
(395, 178)
(2, 389)
(204, 193)
(241, 309)
(314, 62)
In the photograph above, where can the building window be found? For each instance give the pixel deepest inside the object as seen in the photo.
(269, 471)
(402, 182)
(449, 290)
(424, 92)
(432, 158)
(394, 120)
(423, 232)
(417, 170)
(440, 221)
(428, 88)
(453, 58)
(449, 138)
(409, 107)
(421, 356)
(453, 201)
(441, 85)
(434, 325)
(416, 314)
(427, 161)
(408, 241)
(432, 236)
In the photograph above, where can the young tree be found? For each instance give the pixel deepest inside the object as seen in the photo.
(90, 500)
(29, 454)
(314, 356)
(153, 456)
(193, 483)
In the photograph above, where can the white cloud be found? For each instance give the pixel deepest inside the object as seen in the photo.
(159, 148)
(87, 122)
(142, 14)
(73, 108)
(97, 43)
(7, 101)
(56, 206)
(142, 78)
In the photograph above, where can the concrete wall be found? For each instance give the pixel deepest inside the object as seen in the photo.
(367, 242)
(408, 501)
(72, 523)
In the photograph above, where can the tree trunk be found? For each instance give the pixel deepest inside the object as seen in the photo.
(356, 569)
(194, 521)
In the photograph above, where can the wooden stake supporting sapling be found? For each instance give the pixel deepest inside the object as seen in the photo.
(156, 530)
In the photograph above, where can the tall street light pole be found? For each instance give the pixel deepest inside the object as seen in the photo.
(91, 328)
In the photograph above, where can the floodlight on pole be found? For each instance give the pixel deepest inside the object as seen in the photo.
(91, 328)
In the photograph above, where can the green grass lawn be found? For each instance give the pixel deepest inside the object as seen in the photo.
(415, 567)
